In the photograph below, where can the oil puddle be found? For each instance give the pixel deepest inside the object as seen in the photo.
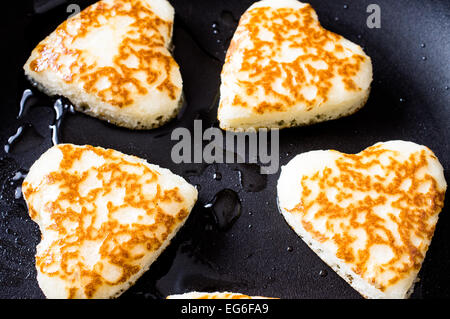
(24, 104)
(61, 109)
(221, 187)
(25, 138)
(225, 207)
(12, 139)
(250, 177)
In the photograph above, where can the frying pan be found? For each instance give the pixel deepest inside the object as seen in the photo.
(256, 252)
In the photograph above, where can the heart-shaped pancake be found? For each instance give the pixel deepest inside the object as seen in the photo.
(370, 216)
(283, 69)
(112, 61)
(104, 217)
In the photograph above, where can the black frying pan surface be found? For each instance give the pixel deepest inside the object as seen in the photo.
(258, 254)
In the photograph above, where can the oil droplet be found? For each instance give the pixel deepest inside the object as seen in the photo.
(402, 100)
(215, 27)
(59, 109)
(336, 18)
(217, 176)
(422, 45)
(323, 273)
(447, 87)
(345, 6)
(226, 208)
(424, 58)
(290, 249)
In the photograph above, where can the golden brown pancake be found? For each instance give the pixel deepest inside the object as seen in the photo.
(370, 216)
(284, 69)
(113, 62)
(104, 217)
